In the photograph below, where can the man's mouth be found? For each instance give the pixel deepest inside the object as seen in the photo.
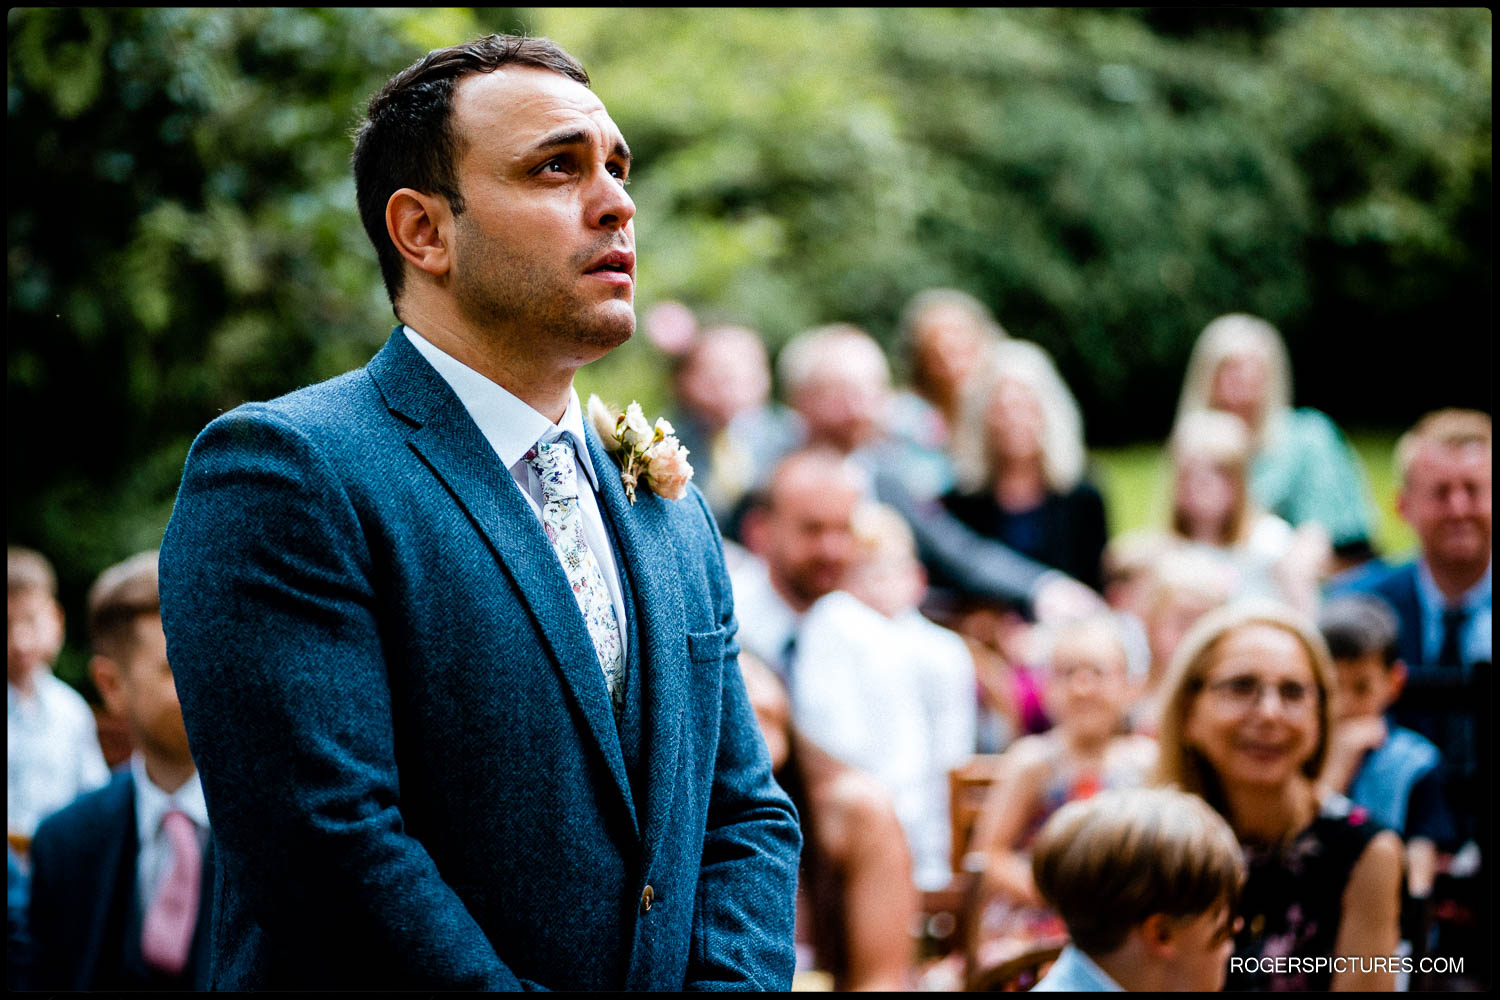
(616, 262)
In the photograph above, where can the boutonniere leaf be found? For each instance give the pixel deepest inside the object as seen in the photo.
(648, 454)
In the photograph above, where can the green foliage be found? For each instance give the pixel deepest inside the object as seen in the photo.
(182, 233)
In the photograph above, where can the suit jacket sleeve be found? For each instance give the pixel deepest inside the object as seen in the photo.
(744, 912)
(270, 614)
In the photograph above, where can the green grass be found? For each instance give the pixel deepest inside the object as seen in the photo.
(1134, 481)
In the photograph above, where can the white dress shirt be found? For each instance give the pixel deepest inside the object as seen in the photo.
(767, 622)
(895, 698)
(1476, 638)
(513, 428)
(52, 752)
(151, 806)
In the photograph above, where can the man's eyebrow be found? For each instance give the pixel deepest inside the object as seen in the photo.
(579, 137)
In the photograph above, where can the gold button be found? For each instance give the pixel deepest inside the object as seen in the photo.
(647, 896)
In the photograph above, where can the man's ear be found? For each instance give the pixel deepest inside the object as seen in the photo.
(753, 528)
(1397, 676)
(416, 223)
(110, 680)
(1158, 937)
(1402, 503)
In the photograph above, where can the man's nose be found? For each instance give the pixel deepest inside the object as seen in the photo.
(612, 208)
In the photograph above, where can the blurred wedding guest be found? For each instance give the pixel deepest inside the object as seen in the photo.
(1443, 596)
(1442, 599)
(855, 900)
(1302, 468)
(724, 417)
(1212, 508)
(51, 741)
(945, 334)
(1129, 562)
(1020, 456)
(800, 532)
(838, 380)
(1183, 586)
(121, 879)
(1086, 690)
(1394, 773)
(1146, 880)
(887, 691)
(1246, 726)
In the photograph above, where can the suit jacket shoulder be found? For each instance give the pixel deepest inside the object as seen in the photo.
(1397, 586)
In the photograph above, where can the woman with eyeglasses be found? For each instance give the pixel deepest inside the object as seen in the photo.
(1245, 725)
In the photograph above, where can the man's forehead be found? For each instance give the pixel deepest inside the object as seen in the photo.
(1442, 458)
(526, 103)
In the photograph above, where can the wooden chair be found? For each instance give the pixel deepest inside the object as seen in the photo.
(968, 786)
(1018, 973)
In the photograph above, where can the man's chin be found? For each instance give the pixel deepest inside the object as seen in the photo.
(609, 330)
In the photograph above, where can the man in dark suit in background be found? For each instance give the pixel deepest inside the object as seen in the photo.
(469, 717)
(120, 879)
(1443, 602)
(1443, 597)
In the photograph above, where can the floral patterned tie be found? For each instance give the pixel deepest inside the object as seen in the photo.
(563, 521)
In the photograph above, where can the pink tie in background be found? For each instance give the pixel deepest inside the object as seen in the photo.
(167, 931)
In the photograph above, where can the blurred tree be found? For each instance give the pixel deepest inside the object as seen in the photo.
(184, 238)
(183, 235)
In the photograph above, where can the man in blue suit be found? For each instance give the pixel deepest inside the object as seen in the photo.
(467, 715)
(1443, 599)
(121, 878)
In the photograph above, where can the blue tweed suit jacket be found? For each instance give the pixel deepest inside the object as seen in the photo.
(412, 769)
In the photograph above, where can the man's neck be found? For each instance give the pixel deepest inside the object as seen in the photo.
(1454, 581)
(24, 681)
(166, 773)
(789, 596)
(1127, 967)
(543, 384)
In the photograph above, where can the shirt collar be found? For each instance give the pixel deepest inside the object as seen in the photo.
(152, 804)
(1477, 596)
(510, 426)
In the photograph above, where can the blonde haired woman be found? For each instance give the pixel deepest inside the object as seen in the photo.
(1212, 509)
(1302, 467)
(1019, 457)
(1245, 726)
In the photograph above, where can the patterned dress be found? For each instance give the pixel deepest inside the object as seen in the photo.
(1294, 898)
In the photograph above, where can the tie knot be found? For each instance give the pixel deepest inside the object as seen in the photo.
(553, 463)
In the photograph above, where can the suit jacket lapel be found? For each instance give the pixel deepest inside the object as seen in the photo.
(114, 900)
(646, 547)
(450, 443)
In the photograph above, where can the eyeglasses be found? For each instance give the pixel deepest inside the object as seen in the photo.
(1244, 692)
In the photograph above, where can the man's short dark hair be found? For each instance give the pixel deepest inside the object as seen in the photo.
(1355, 625)
(407, 138)
(122, 594)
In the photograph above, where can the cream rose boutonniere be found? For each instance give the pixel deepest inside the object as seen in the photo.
(648, 454)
